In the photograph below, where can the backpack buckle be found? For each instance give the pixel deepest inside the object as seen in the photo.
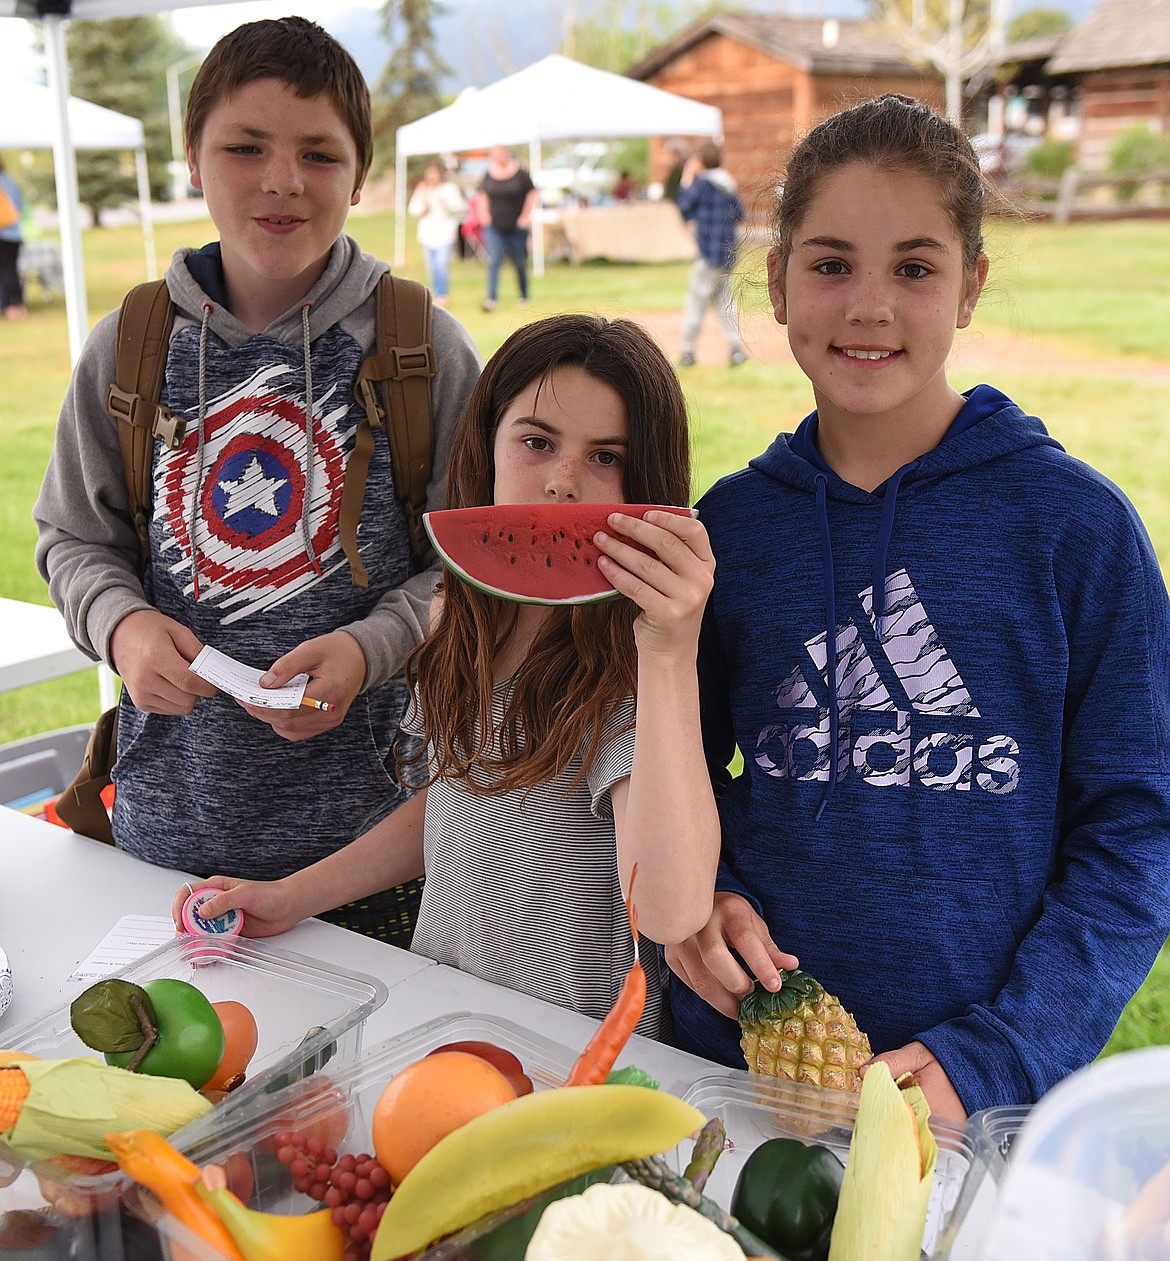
(368, 397)
(413, 361)
(170, 428)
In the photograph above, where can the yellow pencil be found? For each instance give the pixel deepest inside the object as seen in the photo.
(308, 702)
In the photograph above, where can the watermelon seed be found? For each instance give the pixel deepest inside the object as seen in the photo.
(485, 538)
(562, 534)
(588, 561)
(513, 560)
(511, 539)
(548, 561)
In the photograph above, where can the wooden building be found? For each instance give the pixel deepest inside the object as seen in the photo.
(775, 77)
(1119, 58)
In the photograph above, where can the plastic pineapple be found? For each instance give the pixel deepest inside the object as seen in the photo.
(802, 1033)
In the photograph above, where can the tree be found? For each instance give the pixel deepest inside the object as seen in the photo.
(121, 63)
(1037, 23)
(615, 34)
(410, 84)
(957, 37)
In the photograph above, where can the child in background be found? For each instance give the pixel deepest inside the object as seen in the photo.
(439, 207)
(561, 744)
(959, 816)
(272, 322)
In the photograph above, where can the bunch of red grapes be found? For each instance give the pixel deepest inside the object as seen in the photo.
(356, 1188)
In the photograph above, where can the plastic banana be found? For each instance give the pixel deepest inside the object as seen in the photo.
(523, 1147)
(275, 1236)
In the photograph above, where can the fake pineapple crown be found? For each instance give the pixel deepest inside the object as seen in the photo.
(796, 988)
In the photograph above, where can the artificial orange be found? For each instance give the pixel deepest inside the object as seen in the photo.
(429, 1099)
(240, 1038)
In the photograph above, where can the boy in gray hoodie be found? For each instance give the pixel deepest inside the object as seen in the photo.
(272, 322)
(708, 199)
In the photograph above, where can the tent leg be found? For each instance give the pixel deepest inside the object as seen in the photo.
(146, 213)
(534, 159)
(399, 208)
(65, 171)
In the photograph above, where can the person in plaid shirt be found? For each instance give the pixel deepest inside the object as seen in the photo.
(708, 199)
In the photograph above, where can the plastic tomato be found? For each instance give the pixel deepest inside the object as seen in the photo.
(190, 1037)
(504, 1060)
(240, 1037)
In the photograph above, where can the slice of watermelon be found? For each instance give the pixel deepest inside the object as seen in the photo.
(532, 553)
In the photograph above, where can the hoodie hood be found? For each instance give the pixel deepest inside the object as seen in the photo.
(723, 180)
(988, 426)
(196, 284)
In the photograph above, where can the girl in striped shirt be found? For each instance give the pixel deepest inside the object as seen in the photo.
(554, 747)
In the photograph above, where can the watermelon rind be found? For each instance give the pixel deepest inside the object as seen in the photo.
(517, 517)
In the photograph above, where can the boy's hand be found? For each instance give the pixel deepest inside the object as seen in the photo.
(670, 587)
(267, 906)
(706, 964)
(931, 1076)
(336, 666)
(152, 652)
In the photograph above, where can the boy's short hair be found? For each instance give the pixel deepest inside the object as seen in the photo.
(710, 155)
(292, 50)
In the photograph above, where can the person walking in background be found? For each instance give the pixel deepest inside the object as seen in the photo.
(506, 200)
(709, 199)
(11, 212)
(439, 207)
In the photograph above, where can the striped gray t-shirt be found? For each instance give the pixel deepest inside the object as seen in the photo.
(522, 887)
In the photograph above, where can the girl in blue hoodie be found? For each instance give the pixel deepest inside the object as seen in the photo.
(962, 824)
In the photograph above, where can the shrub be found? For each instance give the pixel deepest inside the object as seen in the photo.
(1138, 151)
(1050, 160)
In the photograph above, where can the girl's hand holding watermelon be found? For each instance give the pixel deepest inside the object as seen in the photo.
(670, 587)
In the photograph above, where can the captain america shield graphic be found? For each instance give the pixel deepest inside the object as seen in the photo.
(252, 498)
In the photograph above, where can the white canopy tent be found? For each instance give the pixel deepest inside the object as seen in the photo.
(26, 122)
(53, 15)
(552, 99)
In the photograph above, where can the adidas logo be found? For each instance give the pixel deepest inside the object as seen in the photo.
(929, 735)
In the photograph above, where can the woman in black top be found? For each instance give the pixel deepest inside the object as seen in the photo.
(507, 198)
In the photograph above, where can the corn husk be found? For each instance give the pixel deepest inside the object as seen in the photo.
(881, 1214)
(73, 1103)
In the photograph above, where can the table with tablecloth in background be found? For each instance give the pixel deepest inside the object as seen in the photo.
(626, 232)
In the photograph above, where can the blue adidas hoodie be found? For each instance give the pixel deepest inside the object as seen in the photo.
(963, 830)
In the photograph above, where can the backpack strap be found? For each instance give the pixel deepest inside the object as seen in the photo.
(144, 330)
(394, 384)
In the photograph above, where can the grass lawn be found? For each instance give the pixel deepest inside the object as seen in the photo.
(1072, 324)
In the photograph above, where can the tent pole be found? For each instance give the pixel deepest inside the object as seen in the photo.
(146, 213)
(65, 174)
(534, 160)
(399, 206)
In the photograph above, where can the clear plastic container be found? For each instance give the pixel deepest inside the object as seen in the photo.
(1089, 1174)
(338, 1102)
(755, 1108)
(307, 1013)
(999, 1128)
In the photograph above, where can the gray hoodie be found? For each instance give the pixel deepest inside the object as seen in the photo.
(216, 790)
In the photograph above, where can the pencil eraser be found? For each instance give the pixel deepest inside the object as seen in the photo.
(229, 924)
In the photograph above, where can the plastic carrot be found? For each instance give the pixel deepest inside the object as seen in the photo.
(14, 1090)
(593, 1064)
(149, 1159)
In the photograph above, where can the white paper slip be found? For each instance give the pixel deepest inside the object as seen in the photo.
(242, 682)
(131, 937)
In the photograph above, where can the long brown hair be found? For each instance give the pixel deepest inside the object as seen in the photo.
(584, 663)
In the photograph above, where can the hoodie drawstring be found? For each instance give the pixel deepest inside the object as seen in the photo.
(208, 308)
(307, 503)
(830, 635)
(882, 546)
(880, 555)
